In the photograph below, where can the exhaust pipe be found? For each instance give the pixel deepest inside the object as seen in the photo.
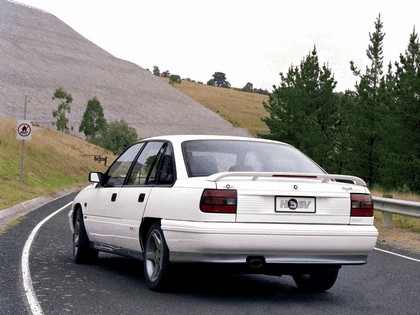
(255, 262)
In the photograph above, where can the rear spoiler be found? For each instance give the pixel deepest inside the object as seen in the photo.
(325, 178)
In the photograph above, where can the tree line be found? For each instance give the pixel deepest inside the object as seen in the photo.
(218, 79)
(372, 132)
(115, 136)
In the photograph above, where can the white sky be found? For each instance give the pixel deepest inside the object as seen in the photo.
(249, 41)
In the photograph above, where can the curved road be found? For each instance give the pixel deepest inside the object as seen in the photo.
(388, 284)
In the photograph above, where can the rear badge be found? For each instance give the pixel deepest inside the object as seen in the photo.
(295, 204)
(292, 204)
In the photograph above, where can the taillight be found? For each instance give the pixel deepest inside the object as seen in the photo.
(218, 201)
(361, 205)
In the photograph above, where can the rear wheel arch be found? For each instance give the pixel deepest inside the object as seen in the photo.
(144, 229)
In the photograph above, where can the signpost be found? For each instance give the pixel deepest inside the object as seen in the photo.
(23, 132)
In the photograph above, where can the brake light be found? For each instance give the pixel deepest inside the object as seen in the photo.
(218, 201)
(295, 176)
(361, 205)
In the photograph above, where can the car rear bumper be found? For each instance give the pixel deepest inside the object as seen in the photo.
(276, 243)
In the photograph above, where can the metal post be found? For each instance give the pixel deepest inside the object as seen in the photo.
(387, 216)
(22, 154)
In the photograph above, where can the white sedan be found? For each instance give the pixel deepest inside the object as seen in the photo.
(260, 205)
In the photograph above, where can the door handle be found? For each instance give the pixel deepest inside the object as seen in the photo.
(141, 197)
(114, 197)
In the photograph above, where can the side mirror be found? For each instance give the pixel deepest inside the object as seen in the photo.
(95, 177)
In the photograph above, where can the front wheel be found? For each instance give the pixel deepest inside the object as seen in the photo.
(156, 259)
(316, 281)
(82, 251)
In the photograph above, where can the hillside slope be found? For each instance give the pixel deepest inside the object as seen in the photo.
(53, 161)
(40, 53)
(242, 109)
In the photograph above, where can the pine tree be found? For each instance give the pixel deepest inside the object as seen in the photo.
(303, 111)
(406, 153)
(369, 110)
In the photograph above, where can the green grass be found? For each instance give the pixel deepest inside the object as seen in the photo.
(411, 224)
(405, 222)
(53, 161)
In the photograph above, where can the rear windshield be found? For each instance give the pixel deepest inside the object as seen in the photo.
(206, 157)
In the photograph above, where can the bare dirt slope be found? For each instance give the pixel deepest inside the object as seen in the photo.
(40, 53)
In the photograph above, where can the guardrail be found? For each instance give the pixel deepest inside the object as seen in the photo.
(391, 206)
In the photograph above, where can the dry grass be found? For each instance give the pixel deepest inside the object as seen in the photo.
(396, 195)
(53, 161)
(241, 109)
(405, 231)
(399, 221)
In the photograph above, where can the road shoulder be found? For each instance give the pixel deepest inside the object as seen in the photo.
(10, 216)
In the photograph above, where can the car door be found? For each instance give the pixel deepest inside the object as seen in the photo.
(100, 211)
(133, 196)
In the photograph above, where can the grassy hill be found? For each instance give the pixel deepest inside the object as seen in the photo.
(241, 109)
(53, 161)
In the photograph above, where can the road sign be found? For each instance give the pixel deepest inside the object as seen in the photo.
(24, 130)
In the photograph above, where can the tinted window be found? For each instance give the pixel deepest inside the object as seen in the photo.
(206, 157)
(144, 170)
(166, 170)
(119, 169)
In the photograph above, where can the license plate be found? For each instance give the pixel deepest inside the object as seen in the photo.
(295, 204)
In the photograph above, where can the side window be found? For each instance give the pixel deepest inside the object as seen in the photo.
(119, 169)
(144, 170)
(166, 171)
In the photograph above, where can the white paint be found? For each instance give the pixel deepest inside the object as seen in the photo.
(26, 273)
(398, 255)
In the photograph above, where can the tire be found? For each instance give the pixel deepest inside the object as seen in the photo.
(83, 253)
(316, 281)
(156, 259)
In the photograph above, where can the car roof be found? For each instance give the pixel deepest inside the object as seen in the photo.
(182, 138)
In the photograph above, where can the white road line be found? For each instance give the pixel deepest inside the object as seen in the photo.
(26, 273)
(395, 254)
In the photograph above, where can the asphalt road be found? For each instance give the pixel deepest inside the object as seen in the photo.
(388, 284)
